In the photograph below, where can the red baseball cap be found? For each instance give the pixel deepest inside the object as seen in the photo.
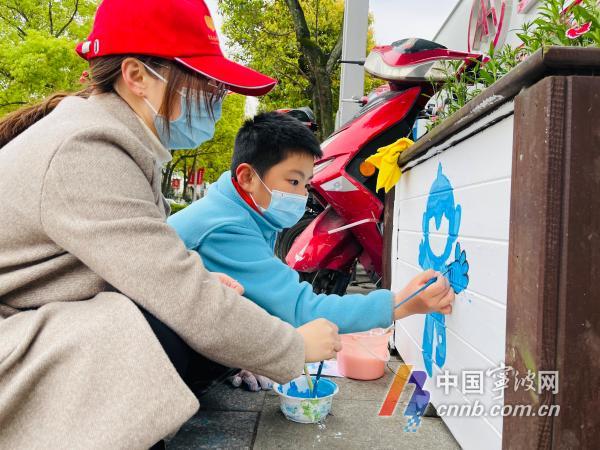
(179, 30)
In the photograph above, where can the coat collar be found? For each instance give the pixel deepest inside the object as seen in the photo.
(121, 110)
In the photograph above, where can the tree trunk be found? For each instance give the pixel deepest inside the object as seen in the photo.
(170, 181)
(167, 175)
(316, 105)
(186, 179)
(194, 178)
(166, 179)
(325, 97)
(320, 66)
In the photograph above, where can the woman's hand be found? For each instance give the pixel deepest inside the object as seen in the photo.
(436, 298)
(226, 280)
(321, 340)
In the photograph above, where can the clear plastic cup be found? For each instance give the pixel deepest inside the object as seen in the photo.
(364, 355)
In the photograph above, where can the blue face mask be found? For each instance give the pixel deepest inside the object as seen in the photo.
(285, 209)
(181, 134)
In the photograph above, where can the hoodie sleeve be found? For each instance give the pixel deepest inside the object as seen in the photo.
(245, 256)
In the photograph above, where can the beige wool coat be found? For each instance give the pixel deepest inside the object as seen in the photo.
(83, 238)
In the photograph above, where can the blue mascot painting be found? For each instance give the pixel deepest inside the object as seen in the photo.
(452, 263)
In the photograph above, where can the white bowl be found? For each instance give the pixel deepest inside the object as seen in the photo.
(301, 409)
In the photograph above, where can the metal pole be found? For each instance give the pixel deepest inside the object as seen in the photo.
(354, 49)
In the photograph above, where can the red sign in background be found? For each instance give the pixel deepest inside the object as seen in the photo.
(197, 178)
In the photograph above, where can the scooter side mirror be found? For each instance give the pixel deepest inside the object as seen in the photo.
(413, 61)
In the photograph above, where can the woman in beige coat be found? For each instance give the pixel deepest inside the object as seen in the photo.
(92, 279)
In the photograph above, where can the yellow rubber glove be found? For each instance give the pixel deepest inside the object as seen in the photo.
(386, 160)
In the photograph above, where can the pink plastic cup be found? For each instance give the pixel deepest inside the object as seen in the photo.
(364, 355)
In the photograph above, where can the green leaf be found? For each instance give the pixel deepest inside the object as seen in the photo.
(548, 28)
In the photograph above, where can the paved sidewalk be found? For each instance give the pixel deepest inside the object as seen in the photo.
(232, 418)
(236, 419)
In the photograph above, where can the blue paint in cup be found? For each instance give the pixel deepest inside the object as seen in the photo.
(299, 405)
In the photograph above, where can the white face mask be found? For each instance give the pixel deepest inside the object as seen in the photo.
(285, 209)
(181, 135)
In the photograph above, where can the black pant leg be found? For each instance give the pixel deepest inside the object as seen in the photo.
(176, 349)
(198, 372)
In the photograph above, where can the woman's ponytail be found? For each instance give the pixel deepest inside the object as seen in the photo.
(18, 121)
(105, 71)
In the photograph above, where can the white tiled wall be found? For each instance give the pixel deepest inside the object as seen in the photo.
(479, 170)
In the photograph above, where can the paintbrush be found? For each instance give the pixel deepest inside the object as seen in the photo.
(414, 294)
(421, 289)
(308, 380)
(319, 370)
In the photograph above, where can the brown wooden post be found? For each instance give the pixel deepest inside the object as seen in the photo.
(388, 231)
(553, 309)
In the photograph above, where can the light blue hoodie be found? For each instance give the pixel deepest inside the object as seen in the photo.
(234, 239)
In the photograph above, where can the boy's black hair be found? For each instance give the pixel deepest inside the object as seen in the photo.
(269, 138)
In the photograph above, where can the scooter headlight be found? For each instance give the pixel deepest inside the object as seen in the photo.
(322, 165)
(339, 184)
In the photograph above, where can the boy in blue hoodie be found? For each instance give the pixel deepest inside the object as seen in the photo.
(234, 228)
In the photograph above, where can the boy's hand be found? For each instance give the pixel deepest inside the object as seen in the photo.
(321, 340)
(230, 282)
(436, 298)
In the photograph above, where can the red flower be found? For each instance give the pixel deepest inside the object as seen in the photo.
(575, 32)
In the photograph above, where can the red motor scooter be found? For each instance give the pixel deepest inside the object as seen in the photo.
(343, 222)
